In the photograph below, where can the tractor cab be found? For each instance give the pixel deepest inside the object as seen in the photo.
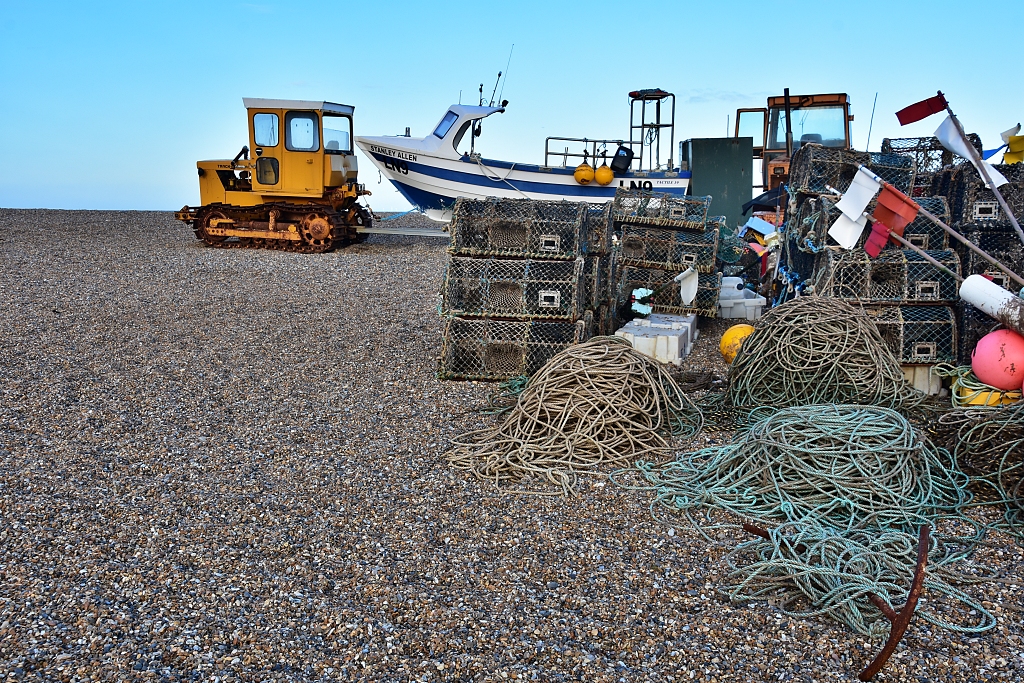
(787, 123)
(297, 149)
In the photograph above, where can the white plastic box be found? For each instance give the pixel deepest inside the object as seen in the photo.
(737, 302)
(666, 338)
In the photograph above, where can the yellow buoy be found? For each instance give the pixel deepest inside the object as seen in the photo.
(584, 173)
(732, 340)
(604, 175)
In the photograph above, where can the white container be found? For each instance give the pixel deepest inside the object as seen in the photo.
(665, 338)
(737, 302)
(923, 379)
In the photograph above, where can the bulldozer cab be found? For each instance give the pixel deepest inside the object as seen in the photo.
(300, 148)
(823, 119)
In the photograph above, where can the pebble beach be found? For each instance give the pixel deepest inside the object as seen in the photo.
(228, 465)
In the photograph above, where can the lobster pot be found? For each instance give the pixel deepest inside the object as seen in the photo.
(658, 209)
(518, 227)
(597, 281)
(669, 249)
(974, 324)
(921, 232)
(667, 301)
(896, 276)
(815, 168)
(917, 335)
(929, 157)
(487, 349)
(980, 203)
(599, 229)
(1000, 241)
(513, 288)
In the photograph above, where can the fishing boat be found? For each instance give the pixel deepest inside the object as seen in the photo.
(433, 171)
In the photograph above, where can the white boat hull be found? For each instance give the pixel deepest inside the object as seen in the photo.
(433, 183)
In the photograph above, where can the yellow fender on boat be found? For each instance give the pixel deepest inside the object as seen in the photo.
(584, 173)
(604, 175)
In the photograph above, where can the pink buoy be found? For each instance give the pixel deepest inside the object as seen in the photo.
(998, 360)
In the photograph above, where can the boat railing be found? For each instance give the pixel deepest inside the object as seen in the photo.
(590, 146)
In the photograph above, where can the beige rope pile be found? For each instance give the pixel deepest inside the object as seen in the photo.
(596, 404)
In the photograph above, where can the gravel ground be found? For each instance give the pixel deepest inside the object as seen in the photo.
(228, 465)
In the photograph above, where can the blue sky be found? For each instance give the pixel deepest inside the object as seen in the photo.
(109, 105)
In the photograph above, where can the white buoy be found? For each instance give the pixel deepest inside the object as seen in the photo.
(987, 296)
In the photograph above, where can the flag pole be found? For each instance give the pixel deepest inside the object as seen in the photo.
(970, 245)
(921, 252)
(980, 165)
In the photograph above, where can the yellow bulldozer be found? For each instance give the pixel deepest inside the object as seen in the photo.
(298, 192)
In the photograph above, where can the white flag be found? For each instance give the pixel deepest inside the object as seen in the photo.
(846, 231)
(862, 190)
(951, 139)
(1007, 134)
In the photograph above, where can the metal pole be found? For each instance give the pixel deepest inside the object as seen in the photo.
(919, 251)
(789, 127)
(979, 164)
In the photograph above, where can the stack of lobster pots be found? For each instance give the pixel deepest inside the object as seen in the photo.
(661, 236)
(973, 210)
(525, 279)
(912, 301)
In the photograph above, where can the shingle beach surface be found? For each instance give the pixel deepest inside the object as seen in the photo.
(228, 465)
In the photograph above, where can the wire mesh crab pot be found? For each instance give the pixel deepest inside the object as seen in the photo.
(815, 168)
(659, 209)
(667, 300)
(513, 288)
(896, 276)
(980, 203)
(974, 324)
(1001, 242)
(518, 227)
(669, 249)
(917, 335)
(929, 157)
(599, 229)
(487, 349)
(597, 281)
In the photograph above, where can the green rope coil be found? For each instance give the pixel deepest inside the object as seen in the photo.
(809, 570)
(849, 467)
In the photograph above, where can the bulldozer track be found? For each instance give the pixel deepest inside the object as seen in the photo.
(343, 226)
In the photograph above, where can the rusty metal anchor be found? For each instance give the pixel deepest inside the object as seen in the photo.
(899, 620)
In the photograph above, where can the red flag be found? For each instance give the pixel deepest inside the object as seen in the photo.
(921, 110)
(892, 214)
(877, 240)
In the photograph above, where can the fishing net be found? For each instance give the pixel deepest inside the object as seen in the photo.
(999, 240)
(815, 168)
(518, 227)
(592, 406)
(917, 334)
(896, 276)
(597, 281)
(487, 349)
(599, 229)
(930, 159)
(817, 350)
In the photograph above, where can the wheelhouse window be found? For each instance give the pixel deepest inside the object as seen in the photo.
(301, 131)
(337, 134)
(446, 124)
(264, 128)
(823, 125)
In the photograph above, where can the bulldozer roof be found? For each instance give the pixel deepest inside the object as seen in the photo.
(329, 107)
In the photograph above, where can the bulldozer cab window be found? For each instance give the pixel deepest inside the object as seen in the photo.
(337, 134)
(267, 171)
(264, 128)
(823, 125)
(301, 132)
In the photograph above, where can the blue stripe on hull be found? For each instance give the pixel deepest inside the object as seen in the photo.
(595, 191)
(426, 201)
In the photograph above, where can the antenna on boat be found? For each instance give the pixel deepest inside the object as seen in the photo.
(491, 103)
(506, 71)
(481, 102)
